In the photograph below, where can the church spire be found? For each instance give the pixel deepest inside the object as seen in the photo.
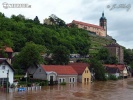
(103, 14)
(103, 23)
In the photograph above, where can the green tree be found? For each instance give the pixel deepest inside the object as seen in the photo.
(104, 56)
(36, 20)
(98, 69)
(61, 55)
(30, 55)
(128, 56)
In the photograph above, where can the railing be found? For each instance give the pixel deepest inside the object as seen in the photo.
(21, 89)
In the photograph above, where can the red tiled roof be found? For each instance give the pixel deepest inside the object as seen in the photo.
(119, 66)
(79, 67)
(8, 49)
(87, 24)
(60, 69)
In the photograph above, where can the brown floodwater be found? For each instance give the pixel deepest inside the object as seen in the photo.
(110, 90)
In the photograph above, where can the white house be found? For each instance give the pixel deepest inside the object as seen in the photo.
(6, 71)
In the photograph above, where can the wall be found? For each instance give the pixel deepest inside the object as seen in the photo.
(67, 78)
(86, 75)
(3, 72)
(52, 74)
(98, 31)
(40, 74)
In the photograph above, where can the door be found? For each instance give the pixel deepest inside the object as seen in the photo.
(51, 80)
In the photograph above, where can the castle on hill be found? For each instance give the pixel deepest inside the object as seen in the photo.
(100, 30)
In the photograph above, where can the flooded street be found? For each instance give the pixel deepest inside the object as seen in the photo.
(110, 90)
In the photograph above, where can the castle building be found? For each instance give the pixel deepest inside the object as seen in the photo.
(100, 30)
(117, 51)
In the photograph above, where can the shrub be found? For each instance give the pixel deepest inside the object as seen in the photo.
(112, 77)
(44, 83)
(63, 83)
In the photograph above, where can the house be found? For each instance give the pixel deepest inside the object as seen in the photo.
(32, 69)
(122, 68)
(83, 71)
(8, 51)
(60, 73)
(6, 71)
(117, 51)
(112, 71)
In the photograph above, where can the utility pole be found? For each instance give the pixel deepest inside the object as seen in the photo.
(7, 88)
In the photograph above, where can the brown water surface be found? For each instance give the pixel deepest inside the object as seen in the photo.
(110, 90)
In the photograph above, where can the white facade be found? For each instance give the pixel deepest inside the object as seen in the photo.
(4, 67)
(51, 75)
(67, 78)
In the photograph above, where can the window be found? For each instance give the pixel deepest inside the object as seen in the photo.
(70, 80)
(84, 80)
(60, 80)
(86, 71)
(73, 79)
(63, 80)
(87, 79)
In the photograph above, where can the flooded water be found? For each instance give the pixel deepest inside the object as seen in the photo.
(110, 90)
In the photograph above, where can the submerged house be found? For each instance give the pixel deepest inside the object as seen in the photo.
(6, 72)
(56, 73)
(84, 74)
(122, 68)
(112, 71)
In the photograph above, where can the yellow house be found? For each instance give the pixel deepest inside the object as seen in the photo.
(84, 75)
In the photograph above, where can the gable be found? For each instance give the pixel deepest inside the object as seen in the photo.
(86, 71)
(6, 64)
(79, 67)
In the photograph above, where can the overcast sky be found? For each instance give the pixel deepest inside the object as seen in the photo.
(119, 14)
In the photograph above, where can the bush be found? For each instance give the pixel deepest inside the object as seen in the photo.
(44, 83)
(12, 85)
(63, 83)
(28, 84)
(112, 77)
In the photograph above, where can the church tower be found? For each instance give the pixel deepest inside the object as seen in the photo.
(103, 23)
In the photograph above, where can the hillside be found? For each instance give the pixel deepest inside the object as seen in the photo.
(16, 31)
(97, 42)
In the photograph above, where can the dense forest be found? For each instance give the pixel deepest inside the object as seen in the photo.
(16, 31)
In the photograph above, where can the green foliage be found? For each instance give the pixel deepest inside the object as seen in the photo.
(36, 20)
(61, 55)
(105, 57)
(30, 55)
(112, 77)
(44, 83)
(18, 30)
(63, 83)
(98, 69)
(128, 56)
